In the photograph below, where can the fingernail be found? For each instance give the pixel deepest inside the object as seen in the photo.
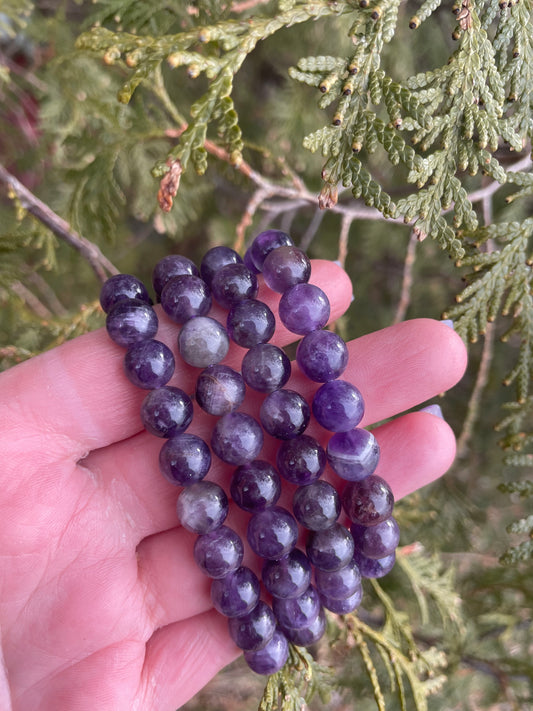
(433, 410)
(448, 322)
(337, 262)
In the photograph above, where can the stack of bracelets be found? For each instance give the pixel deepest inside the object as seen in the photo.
(297, 585)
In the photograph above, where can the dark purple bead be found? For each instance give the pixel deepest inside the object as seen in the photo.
(202, 507)
(284, 414)
(286, 266)
(184, 297)
(219, 390)
(331, 548)
(264, 243)
(171, 266)
(369, 501)
(184, 459)
(219, 553)
(149, 364)
(250, 322)
(297, 612)
(353, 455)
(233, 283)
(376, 541)
(237, 593)
(344, 606)
(316, 506)
(166, 411)
(253, 630)
(338, 584)
(272, 533)
(131, 321)
(122, 287)
(255, 486)
(237, 438)
(338, 406)
(247, 259)
(216, 258)
(265, 368)
(271, 658)
(308, 635)
(301, 460)
(289, 576)
(304, 308)
(374, 567)
(322, 356)
(202, 341)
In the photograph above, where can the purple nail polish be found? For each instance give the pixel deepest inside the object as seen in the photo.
(433, 410)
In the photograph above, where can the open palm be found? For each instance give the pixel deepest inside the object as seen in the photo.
(101, 603)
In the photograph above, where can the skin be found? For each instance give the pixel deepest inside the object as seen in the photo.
(101, 604)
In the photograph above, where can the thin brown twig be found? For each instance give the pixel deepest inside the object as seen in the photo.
(346, 223)
(407, 279)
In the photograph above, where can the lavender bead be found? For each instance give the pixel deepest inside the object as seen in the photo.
(216, 258)
(253, 630)
(219, 552)
(286, 266)
(338, 584)
(301, 460)
(353, 455)
(202, 341)
(237, 593)
(131, 321)
(369, 501)
(338, 406)
(344, 606)
(308, 635)
(255, 486)
(171, 266)
(374, 567)
(304, 308)
(122, 287)
(377, 541)
(331, 548)
(166, 411)
(264, 243)
(202, 507)
(219, 390)
(289, 576)
(149, 364)
(265, 368)
(184, 297)
(272, 533)
(322, 356)
(284, 414)
(316, 506)
(233, 283)
(271, 658)
(250, 322)
(184, 459)
(237, 438)
(297, 612)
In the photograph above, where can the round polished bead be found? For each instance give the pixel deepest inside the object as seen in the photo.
(184, 297)
(250, 322)
(322, 356)
(216, 258)
(331, 548)
(376, 541)
(286, 266)
(219, 389)
(304, 308)
(203, 341)
(255, 486)
(122, 287)
(265, 368)
(310, 634)
(149, 364)
(237, 593)
(131, 321)
(202, 507)
(369, 501)
(233, 283)
(374, 567)
(284, 414)
(247, 259)
(353, 455)
(297, 612)
(237, 438)
(253, 630)
(166, 411)
(301, 459)
(264, 243)
(338, 406)
(219, 552)
(316, 506)
(184, 459)
(289, 576)
(171, 266)
(271, 658)
(344, 606)
(272, 533)
(340, 583)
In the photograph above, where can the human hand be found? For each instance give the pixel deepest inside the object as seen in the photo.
(101, 603)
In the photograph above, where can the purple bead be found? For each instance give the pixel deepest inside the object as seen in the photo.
(322, 356)
(286, 266)
(131, 321)
(184, 297)
(203, 341)
(233, 283)
(149, 364)
(255, 486)
(376, 541)
(171, 266)
(253, 630)
(338, 406)
(166, 411)
(219, 390)
(250, 322)
(353, 455)
(316, 506)
(237, 438)
(331, 548)
(374, 567)
(304, 308)
(297, 612)
(237, 593)
(122, 287)
(247, 259)
(184, 459)
(272, 533)
(284, 414)
(265, 368)
(344, 606)
(216, 258)
(202, 507)
(271, 658)
(289, 576)
(338, 584)
(219, 553)
(369, 501)
(301, 460)
(308, 635)
(264, 243)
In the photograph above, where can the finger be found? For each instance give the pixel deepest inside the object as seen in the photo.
(79, 393)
